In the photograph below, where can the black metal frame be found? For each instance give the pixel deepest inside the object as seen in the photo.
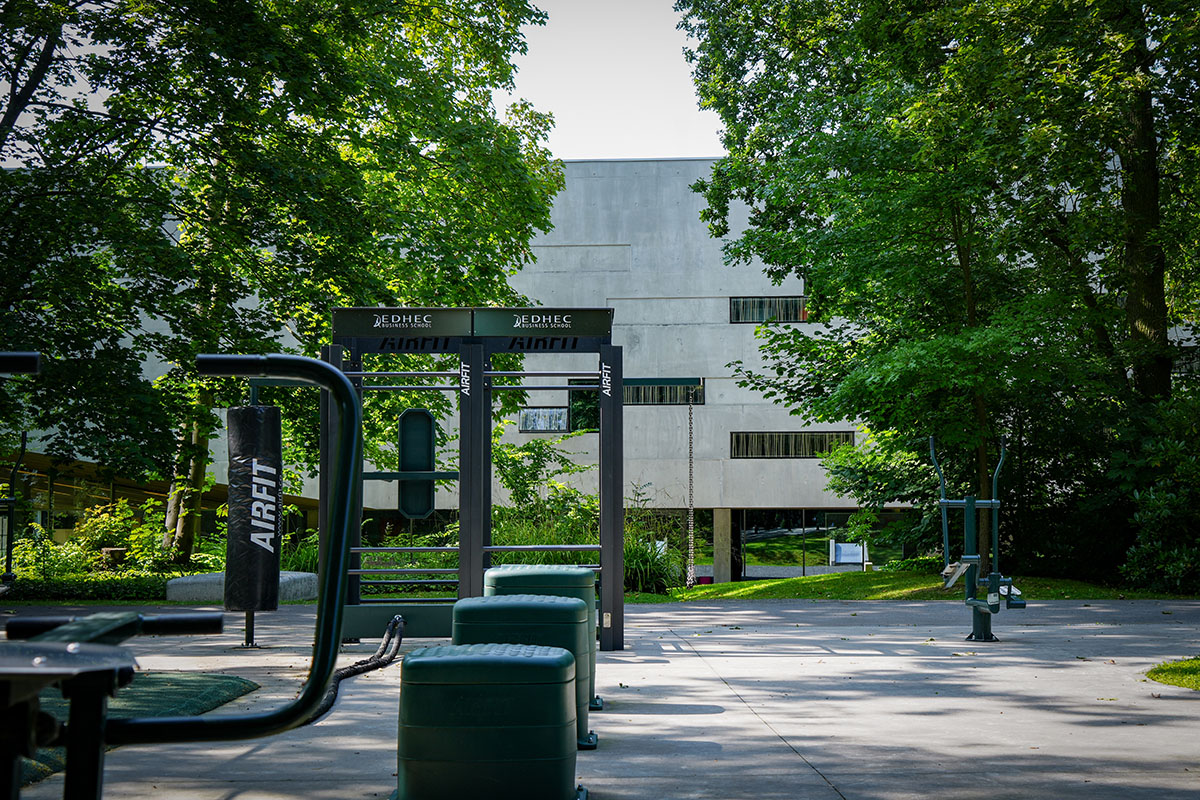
(354, 337)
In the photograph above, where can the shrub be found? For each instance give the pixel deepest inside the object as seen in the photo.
(651, 565)
(929, 565)
(1165, 556)
(37, 555)
(301, 553)
(92, 586)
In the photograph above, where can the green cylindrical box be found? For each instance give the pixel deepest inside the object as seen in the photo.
(494, 721)
(537, 619)
(563, 580)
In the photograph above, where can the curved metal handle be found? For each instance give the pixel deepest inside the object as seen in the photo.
(346, 468)
(936, 466)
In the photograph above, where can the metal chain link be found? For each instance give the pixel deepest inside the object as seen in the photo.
(691, 520)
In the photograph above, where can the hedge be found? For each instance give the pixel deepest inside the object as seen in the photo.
(99, 586)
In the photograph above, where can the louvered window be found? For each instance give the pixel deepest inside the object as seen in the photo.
(663, 392)
(786, 444)
(761, 309)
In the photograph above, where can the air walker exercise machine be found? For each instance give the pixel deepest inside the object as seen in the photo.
(996, 585)
(82, 658)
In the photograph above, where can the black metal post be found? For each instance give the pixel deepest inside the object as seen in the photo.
(330, 354)
(471, 460)
(612, 501)
(485, 485)
(85, 744)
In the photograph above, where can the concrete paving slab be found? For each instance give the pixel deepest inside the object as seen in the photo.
(776, 699)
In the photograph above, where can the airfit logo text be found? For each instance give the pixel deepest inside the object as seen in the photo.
(403, 321)
(542, 321)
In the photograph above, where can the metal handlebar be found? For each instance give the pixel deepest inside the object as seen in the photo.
(21, 363)
(203, 622)
(345, 475)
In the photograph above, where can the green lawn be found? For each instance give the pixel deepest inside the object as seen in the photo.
(1184, 673)
(783, 551)
(882, 586)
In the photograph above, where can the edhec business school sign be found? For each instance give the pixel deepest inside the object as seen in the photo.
(543, 321)
(455, 322)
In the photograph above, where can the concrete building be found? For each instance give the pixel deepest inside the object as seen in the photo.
(627, 234)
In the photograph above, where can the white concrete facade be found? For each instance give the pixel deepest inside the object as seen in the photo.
(627, 235)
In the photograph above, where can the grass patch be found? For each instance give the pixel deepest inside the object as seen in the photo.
(791, 551)
(1184, 673)
(910, 586)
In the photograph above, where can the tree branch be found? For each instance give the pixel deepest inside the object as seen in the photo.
(20, 100)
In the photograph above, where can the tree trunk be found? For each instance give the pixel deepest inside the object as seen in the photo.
(1145, 261)
(184, 500)
(187, 523)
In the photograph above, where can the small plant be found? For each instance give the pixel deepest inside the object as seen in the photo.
(655, 543)
(301, 553)
(651, 565)
(37, 555)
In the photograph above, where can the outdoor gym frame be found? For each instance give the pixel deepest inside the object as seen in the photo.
(476, 335)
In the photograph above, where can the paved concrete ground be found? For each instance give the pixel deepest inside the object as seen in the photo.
(763, 700)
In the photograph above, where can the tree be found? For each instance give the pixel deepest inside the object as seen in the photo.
(216, 176)
(993, 207)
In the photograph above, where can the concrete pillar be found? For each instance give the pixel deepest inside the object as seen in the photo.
(722, 545)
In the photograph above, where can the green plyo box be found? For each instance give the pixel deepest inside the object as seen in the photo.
(562, 580)
(546, 620)
(493, 721)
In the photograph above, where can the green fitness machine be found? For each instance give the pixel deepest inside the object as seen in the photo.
(996, 584)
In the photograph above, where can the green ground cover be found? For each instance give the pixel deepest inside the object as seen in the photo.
(1184, 673)
(883, 586)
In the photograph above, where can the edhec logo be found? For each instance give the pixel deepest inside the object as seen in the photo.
(541, 320)
(404, 320)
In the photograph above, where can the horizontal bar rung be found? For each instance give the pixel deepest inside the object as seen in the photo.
(542, 548)
(410, 388)
(403, 549)
(431, 475)
(541, 374)
(963, 503)
(571, 388)
(366, 374)
(409, 583)
(366, 601)
(401, 571)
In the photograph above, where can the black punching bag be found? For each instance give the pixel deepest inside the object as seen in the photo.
(255, 510)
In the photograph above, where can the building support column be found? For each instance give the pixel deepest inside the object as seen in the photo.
(722, 545)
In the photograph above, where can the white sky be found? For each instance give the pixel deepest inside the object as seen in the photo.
(612, 72)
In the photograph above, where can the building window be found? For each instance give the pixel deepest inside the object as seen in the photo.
(543, 420)
(583, 406)
(663, 391)
(786, 444)
(761, 309)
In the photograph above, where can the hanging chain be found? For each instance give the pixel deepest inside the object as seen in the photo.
(691, 518)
